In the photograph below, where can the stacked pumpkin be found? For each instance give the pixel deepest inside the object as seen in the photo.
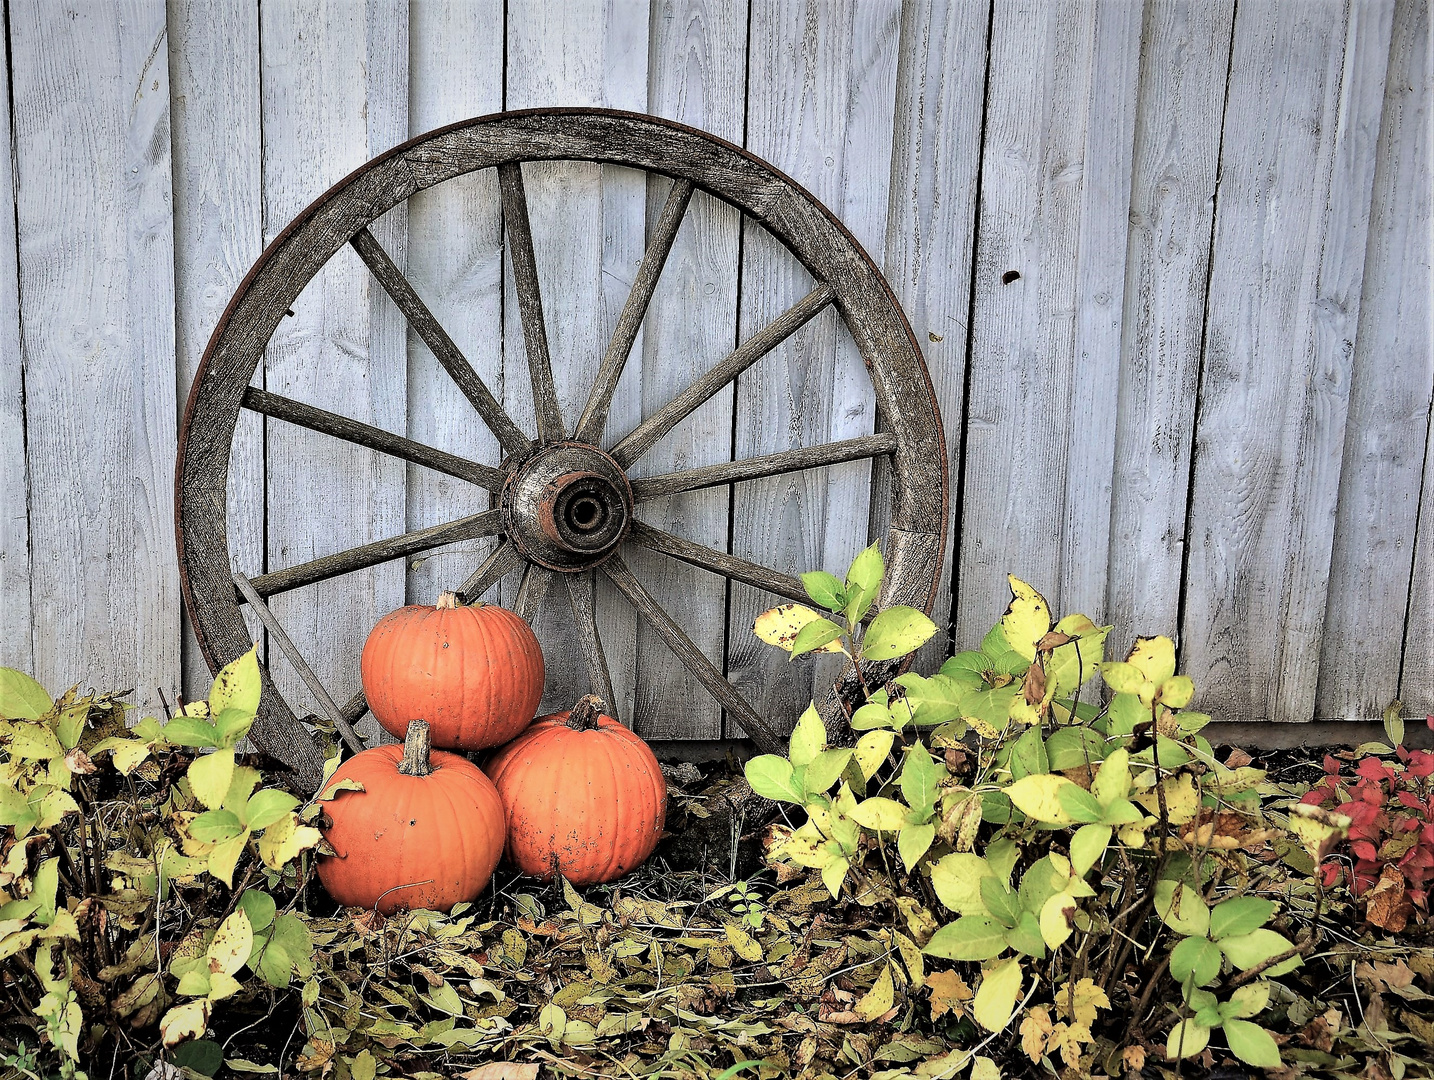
(574, 793)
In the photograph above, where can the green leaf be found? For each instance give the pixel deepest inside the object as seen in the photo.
(824, 771)
(896, 631)
(833, 874)
(1039, 796)
(825, 589)
(872, 715)
(1124, 678)
(216, 826)
(988, 711)
(1181, 908)
(968, 669)
(204, 1056)
(21, 697)
(1000, 901)
(34, 742)
(1186, 1039)
(996, 997)
(814, 635)
(1124, 713)
(771, 777)
(1027, 619)
(1088, 846)
(921, 776)
(1195, 959)
(1071, 665)
(863, 582)
(1043, 880)
(231, 725)
(1079, 804)
(956, 878)
(1239, 916)
(190, 731)
(1176, 693)
(209, 777)
(913, 842)
(259, 907)
(808, 739)
(1112, 780)
(267, 807)
(1074, 747)
(1028, 754)
(995, 643)
(1248, 950)
(1025, 936)
(1248, 1000)
(1252, 1044)
(885, 815)
(237, 686)
(971, 937)
(934, 700)
(871, 750)
(289, 950)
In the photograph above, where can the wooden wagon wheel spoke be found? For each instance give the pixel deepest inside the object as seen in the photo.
(726, 472)
(488, 523)
(385, 442)
(501, 561)
(594, 419)
(681, 645)
(508, 434)
(580, 597)
(533, 591)
(530, 302)
(637, 442)
(355, 707)
(719, 562)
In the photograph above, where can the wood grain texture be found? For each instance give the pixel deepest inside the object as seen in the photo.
(1371, 593)
(588, 224)
(455, 261)
(1307, 86)
(92, 148)
(334, 83)
(1045, 344)
(15, 626)
(218, 233)
(697, 74)
(930, 226)
(822, 98)
(1177, 157)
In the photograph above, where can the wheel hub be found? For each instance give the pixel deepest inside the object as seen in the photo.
(567, 507)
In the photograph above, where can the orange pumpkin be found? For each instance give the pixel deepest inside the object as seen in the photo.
(583, 795)
(426, 831)
(474, 673)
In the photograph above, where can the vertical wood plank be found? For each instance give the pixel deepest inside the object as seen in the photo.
(821, 105)
(90, 86)
(334, 95)
(1045, 355)
(218, 233)
(1307, 88)
(1181, 101)
(930, 227)
(588, 226)
(455, 260)
(15, 647)
(696, 75)
(1371, 591)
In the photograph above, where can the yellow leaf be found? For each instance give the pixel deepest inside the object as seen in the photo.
(284, 839)
(743, 944)
(984, 1068)
(223, 858)
(1318, 829)
(949, 994)
(1155, 657)
(957, 882)
(1081, 1002)
(1027, 620)
(1038, 796)
(780, 626)
(1176, 693)
(877, 1001)
(222, 986)
(184, 1022)
(1112, 780)
(1035, 1030)
(871, 750)
(1056, 915)
(1182, 801)
(233, 941)
(877, 814)
(209, 777)
(996, 998)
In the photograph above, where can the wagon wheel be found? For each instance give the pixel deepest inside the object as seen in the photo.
(565, 506)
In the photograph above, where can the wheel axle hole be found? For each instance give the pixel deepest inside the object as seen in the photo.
(586, 514)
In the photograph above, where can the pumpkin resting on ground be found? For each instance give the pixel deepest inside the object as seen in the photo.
(582, 793)
(425, 832)
(474, 673)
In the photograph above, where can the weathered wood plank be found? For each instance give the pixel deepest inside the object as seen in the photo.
(1177, 158)
(334, 94)
(698, 74)
(90, 86)
(1307, 86)
(1371, 594)
(822, 97)
(15, 626)
(218, 233)
(930, 227)
(1045, 324)
(588, 235)
(455, 261)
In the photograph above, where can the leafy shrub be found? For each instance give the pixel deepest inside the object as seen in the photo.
(1084, 853)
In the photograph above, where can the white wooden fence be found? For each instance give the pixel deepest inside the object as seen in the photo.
(1202, 408)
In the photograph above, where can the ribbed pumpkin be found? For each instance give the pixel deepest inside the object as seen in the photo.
(582, 793)
(474, 673)
(426, 831)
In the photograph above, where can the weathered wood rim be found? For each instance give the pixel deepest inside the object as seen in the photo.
(845, 276)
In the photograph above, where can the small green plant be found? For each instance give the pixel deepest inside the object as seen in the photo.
(1076, 848)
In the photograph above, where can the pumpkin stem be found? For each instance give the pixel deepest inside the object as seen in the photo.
(584, 715)
(447, 601)
(416, 745)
